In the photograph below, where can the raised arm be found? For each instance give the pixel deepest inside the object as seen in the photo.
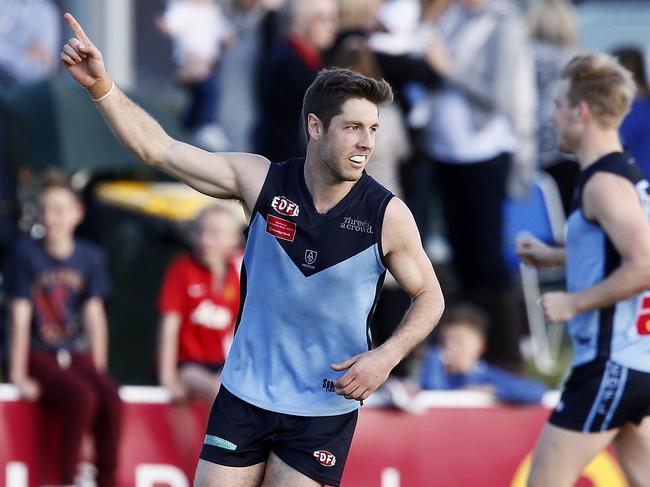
(224, 175)
(412, 269)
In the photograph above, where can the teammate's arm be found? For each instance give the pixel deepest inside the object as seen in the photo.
(533, 251)
(95, 323)
(612, 202)
(20, 317)
(412, 269)
(225, 175)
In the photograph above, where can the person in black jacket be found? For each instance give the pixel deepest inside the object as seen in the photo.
(290, 69)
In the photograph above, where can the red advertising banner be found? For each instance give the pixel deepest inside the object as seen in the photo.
(478, 446)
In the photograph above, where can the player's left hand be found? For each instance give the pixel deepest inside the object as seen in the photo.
(558, 306)
(365, 373)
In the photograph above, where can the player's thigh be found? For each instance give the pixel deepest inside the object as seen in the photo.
(279, 474)
(562, 454)
(632, 446)
(210, 474)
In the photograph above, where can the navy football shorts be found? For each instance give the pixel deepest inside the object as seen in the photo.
(602, 395)
(240, 435)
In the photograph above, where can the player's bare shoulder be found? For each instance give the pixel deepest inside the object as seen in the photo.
(250, 172)
(607, 192)
(399, 229)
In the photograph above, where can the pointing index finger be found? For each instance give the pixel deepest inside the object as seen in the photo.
(76, 28)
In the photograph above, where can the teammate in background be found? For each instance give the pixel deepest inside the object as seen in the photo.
(607, 255)
(55, 288)
(456, 363)
(322, 234)
(199, 301)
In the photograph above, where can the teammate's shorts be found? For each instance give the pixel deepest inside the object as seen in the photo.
(602, 395)
(240, 435)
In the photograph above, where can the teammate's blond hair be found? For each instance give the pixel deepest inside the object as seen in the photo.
(600, 81)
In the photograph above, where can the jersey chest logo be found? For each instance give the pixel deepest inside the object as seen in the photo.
(285, 206)
(280, 228)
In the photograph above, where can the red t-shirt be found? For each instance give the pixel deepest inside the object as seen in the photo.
(207, 317)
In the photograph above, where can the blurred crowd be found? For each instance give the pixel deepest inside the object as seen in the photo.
(470, 128)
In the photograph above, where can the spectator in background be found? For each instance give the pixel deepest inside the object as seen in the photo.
(635, 129)
(238, 75)
(199, 303)
(30, 32)
(482, 137)
(553, 30)
(456, 363)
(29, 41)
(199, 30)
(290, 69)
(59, 340)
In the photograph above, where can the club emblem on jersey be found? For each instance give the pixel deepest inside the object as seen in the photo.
(310, 256)
(325, 458)
(285, 206)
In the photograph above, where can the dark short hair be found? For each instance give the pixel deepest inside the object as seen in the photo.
(334, 86)
(466, 315)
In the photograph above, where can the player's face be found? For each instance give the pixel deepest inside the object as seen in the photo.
(60, 213)
(217, 237)
(566, 120)
(462, 346)
(349, 140)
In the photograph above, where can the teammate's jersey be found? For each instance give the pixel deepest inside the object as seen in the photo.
(620, 332)
(310, 283)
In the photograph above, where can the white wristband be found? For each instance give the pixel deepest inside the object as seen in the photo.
(106, 94)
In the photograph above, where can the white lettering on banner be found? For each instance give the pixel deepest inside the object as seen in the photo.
(152, 474)
(390, 477)
(16, 475)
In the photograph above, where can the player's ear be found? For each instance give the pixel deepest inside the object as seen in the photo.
(314, 127)
(582, 110)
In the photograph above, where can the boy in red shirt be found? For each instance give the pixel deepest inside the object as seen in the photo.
(199, 303)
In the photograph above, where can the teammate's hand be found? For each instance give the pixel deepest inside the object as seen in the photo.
(365, 373)
(533, 251)
(81, 58)
(558, 306)
(28, 389)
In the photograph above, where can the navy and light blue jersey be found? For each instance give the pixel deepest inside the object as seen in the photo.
(310, 283)
(620, 332)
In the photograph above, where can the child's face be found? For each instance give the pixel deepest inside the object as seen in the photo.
(462, 346)
(60, 212)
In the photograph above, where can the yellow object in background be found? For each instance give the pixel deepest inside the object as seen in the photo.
(171, 201)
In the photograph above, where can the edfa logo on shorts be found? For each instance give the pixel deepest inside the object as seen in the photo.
(325, 458)
(285, 206)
